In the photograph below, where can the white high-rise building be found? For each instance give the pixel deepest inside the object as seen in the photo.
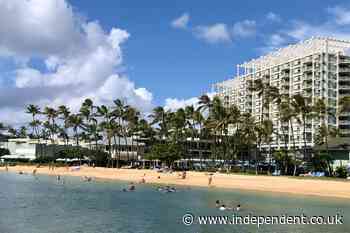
(316, 68)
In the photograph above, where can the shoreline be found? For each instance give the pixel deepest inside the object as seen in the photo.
(281, 185)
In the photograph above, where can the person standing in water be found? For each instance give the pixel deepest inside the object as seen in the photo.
(210, 179)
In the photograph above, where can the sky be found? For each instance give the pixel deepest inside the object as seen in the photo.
(147, 53)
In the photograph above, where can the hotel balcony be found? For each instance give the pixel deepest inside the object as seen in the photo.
(307, 60)
(307, 77)
(344, 122)
(285, 68)
(307, 69)
(344, 78)
(345, 60)
(344, 69)
(344, 87)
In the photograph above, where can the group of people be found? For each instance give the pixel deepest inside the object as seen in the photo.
(166, 189)
(222, 206)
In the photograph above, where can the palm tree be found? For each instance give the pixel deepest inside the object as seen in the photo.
(248, 132)
(130, 118)
(287, 115)
(267, 131)
(106, 125)
(51, 115)
(118, 113)
(34, 110)
(64, 112)
(161, 117)
(303, 107)
(205, 103)
(75, 121)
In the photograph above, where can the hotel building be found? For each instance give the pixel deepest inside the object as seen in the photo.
(316, 68)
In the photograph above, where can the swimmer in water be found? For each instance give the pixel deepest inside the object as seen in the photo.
(222, 207)
(238, 207)
(217, 203)
(132, 187)
(58, 177)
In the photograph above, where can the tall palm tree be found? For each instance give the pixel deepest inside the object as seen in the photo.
(106, 125)
(267, 131)
(51, 115)
(205, 104)
(130, 118)
(75, 121)
(64, 114)
(287, 116)
(34, 110)
(249, 133)
(118, 114)
(303, 107)
(160, 117)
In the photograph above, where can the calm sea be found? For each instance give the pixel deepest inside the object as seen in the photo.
(42, 205)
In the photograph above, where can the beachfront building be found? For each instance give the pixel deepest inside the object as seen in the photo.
(29, 149)
(318, 68)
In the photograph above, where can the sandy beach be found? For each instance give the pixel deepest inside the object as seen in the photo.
(325, 188)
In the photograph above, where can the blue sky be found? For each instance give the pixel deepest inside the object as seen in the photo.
(174, 63)
(146, 52)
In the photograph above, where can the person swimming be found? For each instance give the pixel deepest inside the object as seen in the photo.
(132, 187)
(87, 178)
(238, 207)
(217, 203)
(222, 207)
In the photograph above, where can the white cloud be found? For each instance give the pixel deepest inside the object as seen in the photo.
(244, 28)
(297, 30)
(181, 22)
(213, 33)
(341, 15)
(175, 103)
(81, 59)
(273, 17)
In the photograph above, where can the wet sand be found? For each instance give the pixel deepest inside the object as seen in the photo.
(324, 188)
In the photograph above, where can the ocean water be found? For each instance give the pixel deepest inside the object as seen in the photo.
(42, 205)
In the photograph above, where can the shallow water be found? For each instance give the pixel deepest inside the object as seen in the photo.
(42, 205)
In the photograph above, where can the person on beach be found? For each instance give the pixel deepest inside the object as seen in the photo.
(210, 179)
(184, 175)
(58, 177)
(34, 171)
(7, 168)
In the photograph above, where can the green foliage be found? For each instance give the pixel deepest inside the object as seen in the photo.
(167, 153)
(4, 151)
(283, 160)
(99, 157)
(341, 172)
(44, 159)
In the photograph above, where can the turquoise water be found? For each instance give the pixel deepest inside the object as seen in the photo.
(41, 205)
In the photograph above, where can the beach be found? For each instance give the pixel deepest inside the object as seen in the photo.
(290, 185)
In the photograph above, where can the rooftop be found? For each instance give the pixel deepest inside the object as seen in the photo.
(301, 49)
